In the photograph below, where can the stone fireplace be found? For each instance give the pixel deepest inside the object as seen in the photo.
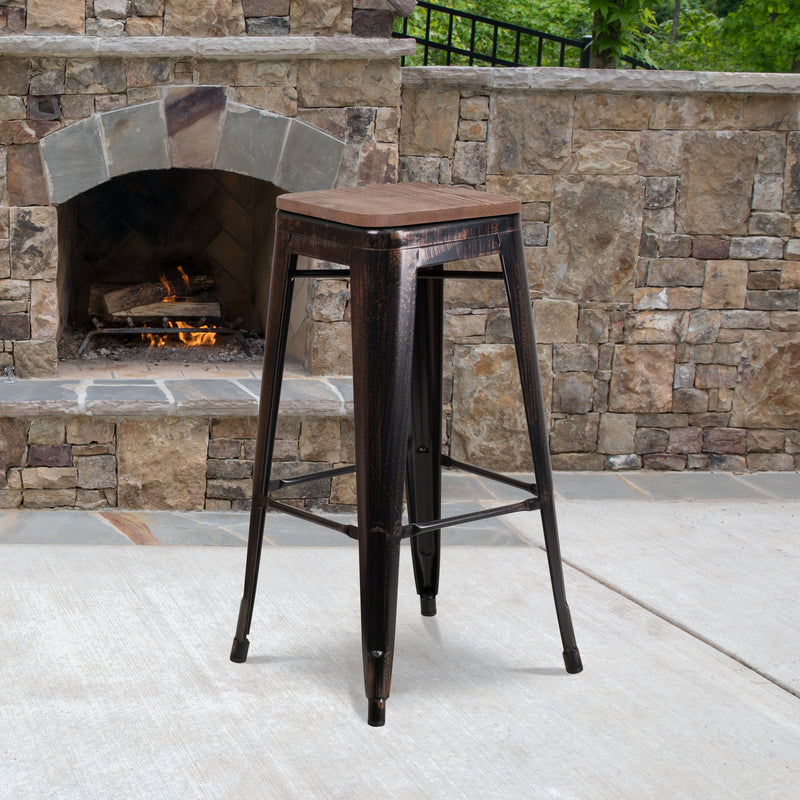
(142, 136)
(138, 136)
(186, 182)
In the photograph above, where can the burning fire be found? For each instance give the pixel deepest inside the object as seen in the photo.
(171, 296)
(190, 339)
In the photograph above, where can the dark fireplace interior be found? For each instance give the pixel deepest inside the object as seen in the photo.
(206, 236)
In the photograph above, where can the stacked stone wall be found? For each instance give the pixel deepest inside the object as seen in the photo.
(42, 96)
(201, 18)
(661, 219)
(187, 463)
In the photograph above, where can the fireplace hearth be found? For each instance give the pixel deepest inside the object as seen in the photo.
(166, 151)
(149, 138)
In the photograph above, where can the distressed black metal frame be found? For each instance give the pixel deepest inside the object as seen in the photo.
(397, 311)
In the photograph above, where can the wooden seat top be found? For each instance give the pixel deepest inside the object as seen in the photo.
(397, 205)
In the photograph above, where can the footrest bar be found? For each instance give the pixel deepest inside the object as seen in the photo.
(413, 528)
(321, 273)
(281, 483)
(486, 473)
(426, 274)
(348, 530)
(459, 274)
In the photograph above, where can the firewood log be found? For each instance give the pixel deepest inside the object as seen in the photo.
(185, 309)
(140, 294)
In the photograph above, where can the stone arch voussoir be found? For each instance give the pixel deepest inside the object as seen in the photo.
(191, 127)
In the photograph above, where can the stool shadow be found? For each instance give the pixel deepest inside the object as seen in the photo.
(431, 626)
(555, 672)
(426, 652)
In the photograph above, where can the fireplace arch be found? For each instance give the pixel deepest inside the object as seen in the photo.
(210, 167)
(193, 127)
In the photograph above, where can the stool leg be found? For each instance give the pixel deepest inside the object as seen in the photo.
(277, 327)
(512, 256)
(383, 290)
(423, 463)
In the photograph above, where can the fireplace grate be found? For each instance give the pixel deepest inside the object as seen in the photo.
(127, 331)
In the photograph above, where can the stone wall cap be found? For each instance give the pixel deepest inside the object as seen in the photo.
(239, 47)
(622, 81)
(209, 397)
(39, 398)
(404, 7)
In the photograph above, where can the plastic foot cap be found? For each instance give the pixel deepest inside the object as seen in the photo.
(427, 605)
(239, 650)
(572, 661)
(376, 716)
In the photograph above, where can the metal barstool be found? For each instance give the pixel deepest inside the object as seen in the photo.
(394, 241)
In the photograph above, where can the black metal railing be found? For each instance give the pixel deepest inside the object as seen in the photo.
(447, 37)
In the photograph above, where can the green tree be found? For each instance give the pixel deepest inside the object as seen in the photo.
(695, 44)
(764, 35)
(620, 28)
(732, 36)
(722, 35)
(568, 18)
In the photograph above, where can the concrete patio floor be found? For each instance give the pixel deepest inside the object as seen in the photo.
(115, 680)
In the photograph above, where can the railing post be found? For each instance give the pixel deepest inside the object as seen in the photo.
(427, 36)
(586, 52)
(450, 39)
(472, 42)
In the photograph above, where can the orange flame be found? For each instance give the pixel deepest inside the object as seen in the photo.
(190, 339)
(197, 337)
(170, 296)
(185, 280)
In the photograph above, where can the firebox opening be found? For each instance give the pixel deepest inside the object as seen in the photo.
(162, 248)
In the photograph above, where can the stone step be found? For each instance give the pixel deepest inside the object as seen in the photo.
(160, 396)
(166, 443)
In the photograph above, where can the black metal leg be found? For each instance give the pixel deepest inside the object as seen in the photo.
(423, 463)
(279, 309)
(383, 290)
(513, 259)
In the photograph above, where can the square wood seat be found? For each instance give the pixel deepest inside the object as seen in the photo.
(393, 242)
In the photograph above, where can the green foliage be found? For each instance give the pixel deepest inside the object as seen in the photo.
(568, 18)
(696, 46)
(756, 36)
(620, 28)
(764, 35)
(721, 35)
